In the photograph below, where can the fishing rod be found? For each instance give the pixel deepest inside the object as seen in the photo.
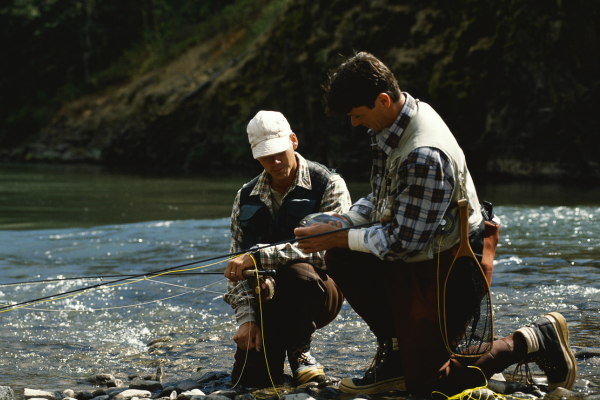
(102, 277)
(99, 277)
(250, 250)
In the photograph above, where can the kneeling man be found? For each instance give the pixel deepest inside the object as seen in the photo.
(266, 210)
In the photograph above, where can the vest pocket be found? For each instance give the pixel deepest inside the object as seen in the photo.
(255, 221)
(298, 209)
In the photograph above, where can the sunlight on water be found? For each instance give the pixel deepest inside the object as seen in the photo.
(108, 329)
(548, 259)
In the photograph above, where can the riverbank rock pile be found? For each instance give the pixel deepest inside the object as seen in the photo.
(218, 386)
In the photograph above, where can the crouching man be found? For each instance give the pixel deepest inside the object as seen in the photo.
(266, 210)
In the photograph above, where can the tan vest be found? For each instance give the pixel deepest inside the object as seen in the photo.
(427, 129)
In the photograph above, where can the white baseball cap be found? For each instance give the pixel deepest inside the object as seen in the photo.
(269, 133)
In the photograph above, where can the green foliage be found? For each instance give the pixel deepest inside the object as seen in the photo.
(53, 51)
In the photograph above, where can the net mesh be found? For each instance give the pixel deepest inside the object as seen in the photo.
(467, 309)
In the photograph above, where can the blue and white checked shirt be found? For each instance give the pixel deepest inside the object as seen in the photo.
(425, 183)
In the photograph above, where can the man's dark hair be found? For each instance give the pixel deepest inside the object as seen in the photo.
(358, 82)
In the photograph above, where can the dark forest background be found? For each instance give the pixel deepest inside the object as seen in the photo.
(165, 86)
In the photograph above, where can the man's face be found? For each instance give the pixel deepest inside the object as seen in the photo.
(371, 118)
(376, 118)
(281, 166)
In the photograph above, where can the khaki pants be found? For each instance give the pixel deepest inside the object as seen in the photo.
(398, 299)
(305, 299)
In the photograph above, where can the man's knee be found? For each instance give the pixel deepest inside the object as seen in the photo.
(336, 258)
(300, 270)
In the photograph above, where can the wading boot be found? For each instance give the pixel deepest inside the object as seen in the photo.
(304, 366)
(385, 372)
(548, 346)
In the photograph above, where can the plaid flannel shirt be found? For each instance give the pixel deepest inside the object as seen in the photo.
(335, 198)
(425, 183)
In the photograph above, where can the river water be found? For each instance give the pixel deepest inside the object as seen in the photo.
(67, 222)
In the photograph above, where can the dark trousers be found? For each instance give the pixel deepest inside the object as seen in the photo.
(398, 299)
(305, 300)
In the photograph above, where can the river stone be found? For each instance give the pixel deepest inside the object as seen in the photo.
(100, 379)
(142, 384)
(159, 339)
(158, 376)
(186, 385)
(211, 376)
(297, 396)
(131, 393)
(524, 396)
(84, 395)
(6, 393)
(113, 392)
(210, 397)
(188, 394)
(587, 353)
(166, 392)
(562, 393)
(229, 393)
(328, 393)
(39, 394)
(499, 377)
(68, 393)
(114, 384)
(505, 387)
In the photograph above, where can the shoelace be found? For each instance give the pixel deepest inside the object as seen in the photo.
(376, 359)
(523, 370)
(304, 359)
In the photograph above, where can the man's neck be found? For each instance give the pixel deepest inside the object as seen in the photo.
(281, 188)
(396, 108)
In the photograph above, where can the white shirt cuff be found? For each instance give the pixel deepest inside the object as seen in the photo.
(243, 314)
(356, 240)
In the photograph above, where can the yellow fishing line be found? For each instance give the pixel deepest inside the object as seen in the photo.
(115, 285)
(467, 393)
(438, 298)
(261, 326)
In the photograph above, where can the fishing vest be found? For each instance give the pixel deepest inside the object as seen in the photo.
(427, 129)
(257, 222)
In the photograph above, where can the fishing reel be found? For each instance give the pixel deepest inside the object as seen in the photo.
(263, 288)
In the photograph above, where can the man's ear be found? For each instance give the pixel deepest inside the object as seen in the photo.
(384, 99)
(294, 140)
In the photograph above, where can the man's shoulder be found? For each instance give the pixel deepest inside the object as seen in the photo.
(317, 167)
(251, 183)
(248, 187)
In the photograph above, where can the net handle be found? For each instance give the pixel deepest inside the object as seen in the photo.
(464, 250)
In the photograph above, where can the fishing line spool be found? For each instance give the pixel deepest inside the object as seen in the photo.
(265, 282)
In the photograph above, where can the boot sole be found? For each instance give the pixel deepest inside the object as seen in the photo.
(560, 324)
(308, 374)
(347, 386)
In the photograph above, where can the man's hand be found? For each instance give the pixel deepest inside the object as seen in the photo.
(324, 242)
(248, 337)
(234, 269)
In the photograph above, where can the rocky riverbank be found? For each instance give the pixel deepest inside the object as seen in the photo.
(218, 386)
